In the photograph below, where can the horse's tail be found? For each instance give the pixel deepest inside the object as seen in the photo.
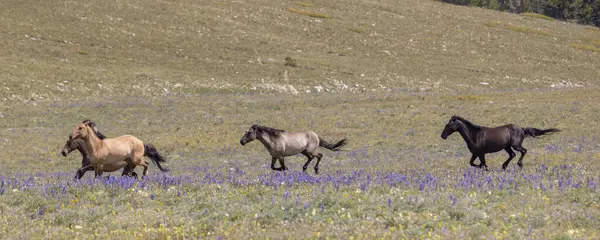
(331, 146)
(534, 132)
(151, 152)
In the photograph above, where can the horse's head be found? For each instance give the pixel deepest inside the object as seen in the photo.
(70, 145)
(250, 135)
(451, 127)
(80, 132)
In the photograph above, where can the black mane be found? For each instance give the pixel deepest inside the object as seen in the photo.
(272, 132)
(467, 122)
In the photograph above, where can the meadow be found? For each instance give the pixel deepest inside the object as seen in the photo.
(191, 77)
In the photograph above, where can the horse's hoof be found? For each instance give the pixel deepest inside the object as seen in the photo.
(316, 171)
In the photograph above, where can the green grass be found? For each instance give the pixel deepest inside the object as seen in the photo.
(356, 29)
(524, 29)
(393, 132)
(309, 13)
(585, 47)
(537, 15)
(304, 4)
(190, 78)
(516, 28)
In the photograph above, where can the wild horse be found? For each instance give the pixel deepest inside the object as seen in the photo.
(71, 145)
(281, 144)
(114, 153)
(481, 140)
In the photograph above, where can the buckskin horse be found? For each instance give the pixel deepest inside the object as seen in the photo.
(114, 152)
(71, 145)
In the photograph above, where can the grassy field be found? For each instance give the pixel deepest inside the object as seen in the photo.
(191, 77)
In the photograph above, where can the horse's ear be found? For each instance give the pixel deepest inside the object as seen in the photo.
(254, 126)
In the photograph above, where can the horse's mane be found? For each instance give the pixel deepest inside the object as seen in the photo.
(272, 132)
(92, 125)
(92, 131)
(467, 122)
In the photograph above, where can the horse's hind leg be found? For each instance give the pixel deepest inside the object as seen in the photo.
(523, 152)
(145, 165)
(128, 170)
(319, 156)
(511, 155)
(139, 161)
(310, 158)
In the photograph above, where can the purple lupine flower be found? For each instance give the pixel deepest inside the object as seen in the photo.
(286, 195)
(42, 211)
(454, 200)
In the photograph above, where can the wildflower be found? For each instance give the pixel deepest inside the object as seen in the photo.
(42, 211)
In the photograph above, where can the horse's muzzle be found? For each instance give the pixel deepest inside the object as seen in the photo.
(242, 142)
(64, 153)
(444, 137)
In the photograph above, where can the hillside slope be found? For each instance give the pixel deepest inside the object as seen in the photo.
(72, 49)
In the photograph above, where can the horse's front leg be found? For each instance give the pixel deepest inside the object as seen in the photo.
(472, 162)
(83, 170)
(99, 169)
(281, 162)
(483, 164)
(273, 161)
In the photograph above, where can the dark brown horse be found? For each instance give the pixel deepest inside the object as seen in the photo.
(481, 140)
(280, 144)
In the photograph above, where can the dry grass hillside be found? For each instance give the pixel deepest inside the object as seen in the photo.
(62, 49)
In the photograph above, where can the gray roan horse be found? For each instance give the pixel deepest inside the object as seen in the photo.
(481, 140)
(281, 144)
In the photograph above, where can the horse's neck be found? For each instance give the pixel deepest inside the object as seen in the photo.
(266, 140)
(79, 145)
(468, 134)
(92, 144)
